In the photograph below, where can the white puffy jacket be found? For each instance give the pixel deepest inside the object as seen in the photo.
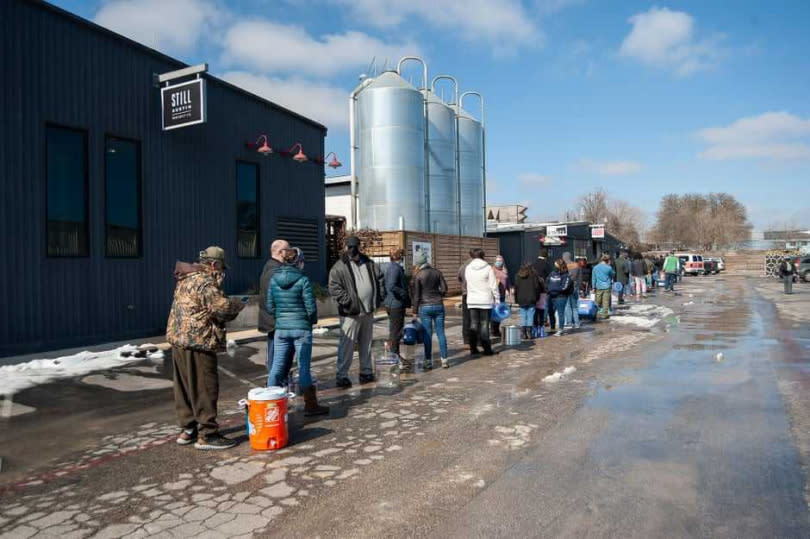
(482, 285)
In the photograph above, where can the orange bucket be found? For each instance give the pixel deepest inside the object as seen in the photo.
(267, 418)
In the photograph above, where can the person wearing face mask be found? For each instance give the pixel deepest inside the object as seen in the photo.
(502, 275)
(291, 302)
(358, 287)
(196, 331)
(397, 298)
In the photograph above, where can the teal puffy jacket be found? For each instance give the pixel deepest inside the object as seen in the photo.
(290, 299)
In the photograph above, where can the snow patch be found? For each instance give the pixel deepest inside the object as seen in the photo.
(559, 376)
(16, 378)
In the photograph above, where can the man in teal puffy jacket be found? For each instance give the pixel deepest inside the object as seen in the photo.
(291, 302)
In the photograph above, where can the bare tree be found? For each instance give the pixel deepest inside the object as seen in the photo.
(712, 221)
(622, 220)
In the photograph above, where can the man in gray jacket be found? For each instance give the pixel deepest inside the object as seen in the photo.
(358, 287)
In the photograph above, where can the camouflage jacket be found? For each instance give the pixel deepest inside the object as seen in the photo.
(200, 309)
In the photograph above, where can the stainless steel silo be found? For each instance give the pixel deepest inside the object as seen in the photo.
(390, 125)
(471, 174)
(442, 180)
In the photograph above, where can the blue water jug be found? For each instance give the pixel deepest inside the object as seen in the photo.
(617, 287)
(501, 312)
(412, 333)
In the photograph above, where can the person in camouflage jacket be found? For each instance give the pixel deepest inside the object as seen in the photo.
(200, 309)
(196, 331)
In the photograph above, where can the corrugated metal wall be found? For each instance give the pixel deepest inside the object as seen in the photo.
(59, 70)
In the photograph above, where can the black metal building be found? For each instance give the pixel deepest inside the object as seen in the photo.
(98, 201)
(522, 242)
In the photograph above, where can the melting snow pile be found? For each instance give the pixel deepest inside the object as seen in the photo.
(15, 378)
(643, 316)
(557, 376)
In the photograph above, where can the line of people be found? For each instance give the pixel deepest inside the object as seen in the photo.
(543, 290)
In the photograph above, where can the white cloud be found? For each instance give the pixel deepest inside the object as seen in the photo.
(272, 47)
(319, 101)
(610, 168)
(503, 24)
(533, 179)
(173, 26)
(666, 39)
(779, 136)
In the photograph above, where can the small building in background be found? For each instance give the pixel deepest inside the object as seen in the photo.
(339, 198)
(522, 242)
(788, 239)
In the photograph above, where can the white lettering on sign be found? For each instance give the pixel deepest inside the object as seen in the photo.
(557, 231)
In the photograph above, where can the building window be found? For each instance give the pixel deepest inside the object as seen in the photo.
(122, 192)
(302, 233)
(66, 185)
(581, 248)
(247, 209)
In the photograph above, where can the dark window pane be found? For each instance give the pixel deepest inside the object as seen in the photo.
(66, 163)
(122, 192)
(247, 209)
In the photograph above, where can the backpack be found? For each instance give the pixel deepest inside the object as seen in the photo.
(788, 266)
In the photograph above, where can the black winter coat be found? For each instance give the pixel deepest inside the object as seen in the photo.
(528, 290)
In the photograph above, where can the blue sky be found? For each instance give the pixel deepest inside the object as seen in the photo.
(642, 99)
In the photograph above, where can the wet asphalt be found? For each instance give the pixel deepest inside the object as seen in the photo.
(651, 436)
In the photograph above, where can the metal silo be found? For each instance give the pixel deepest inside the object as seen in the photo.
(442, 178)
(472, 171)
(390, 126)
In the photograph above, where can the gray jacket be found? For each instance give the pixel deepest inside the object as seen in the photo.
(343, 288)
(267, 323)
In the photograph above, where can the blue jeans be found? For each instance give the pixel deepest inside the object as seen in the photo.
(572, 310)
(560, 303)
(433, 315)
(527, 316)
(670, 282)
(271, 353)
(285, 341)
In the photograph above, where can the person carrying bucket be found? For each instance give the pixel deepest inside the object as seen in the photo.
(291, 302)
(196, 331)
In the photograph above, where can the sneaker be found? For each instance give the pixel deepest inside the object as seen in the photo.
(366, 378)
(343, 383)
(214, 442)
(427, 366)
(445, 363)
(560, 333)
(188, 436)
(577, 326)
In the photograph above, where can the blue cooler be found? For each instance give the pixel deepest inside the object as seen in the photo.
(587, 308)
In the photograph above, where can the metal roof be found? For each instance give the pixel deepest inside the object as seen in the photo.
(90, 25)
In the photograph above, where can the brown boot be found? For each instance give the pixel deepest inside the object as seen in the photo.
(311, 406)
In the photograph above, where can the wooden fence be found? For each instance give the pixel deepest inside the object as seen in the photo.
(449, 252)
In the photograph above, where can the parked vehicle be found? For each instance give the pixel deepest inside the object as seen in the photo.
(710, 266)
(721, 264)
(691, 263)
(802, 265)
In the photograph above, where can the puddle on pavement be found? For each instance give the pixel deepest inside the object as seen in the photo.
(721, 424)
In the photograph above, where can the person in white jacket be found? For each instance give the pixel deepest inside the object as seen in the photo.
(482, 296)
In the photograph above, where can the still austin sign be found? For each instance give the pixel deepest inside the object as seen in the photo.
(183, 104)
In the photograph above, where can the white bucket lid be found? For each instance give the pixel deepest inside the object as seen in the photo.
(273, 393)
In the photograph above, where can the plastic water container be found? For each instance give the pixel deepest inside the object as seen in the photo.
(386, 370)
(617, 287)
(267, 418)
(412, 333)
(587, 308)
(501, 312)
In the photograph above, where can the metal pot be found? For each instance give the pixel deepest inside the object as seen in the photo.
(512, 336)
